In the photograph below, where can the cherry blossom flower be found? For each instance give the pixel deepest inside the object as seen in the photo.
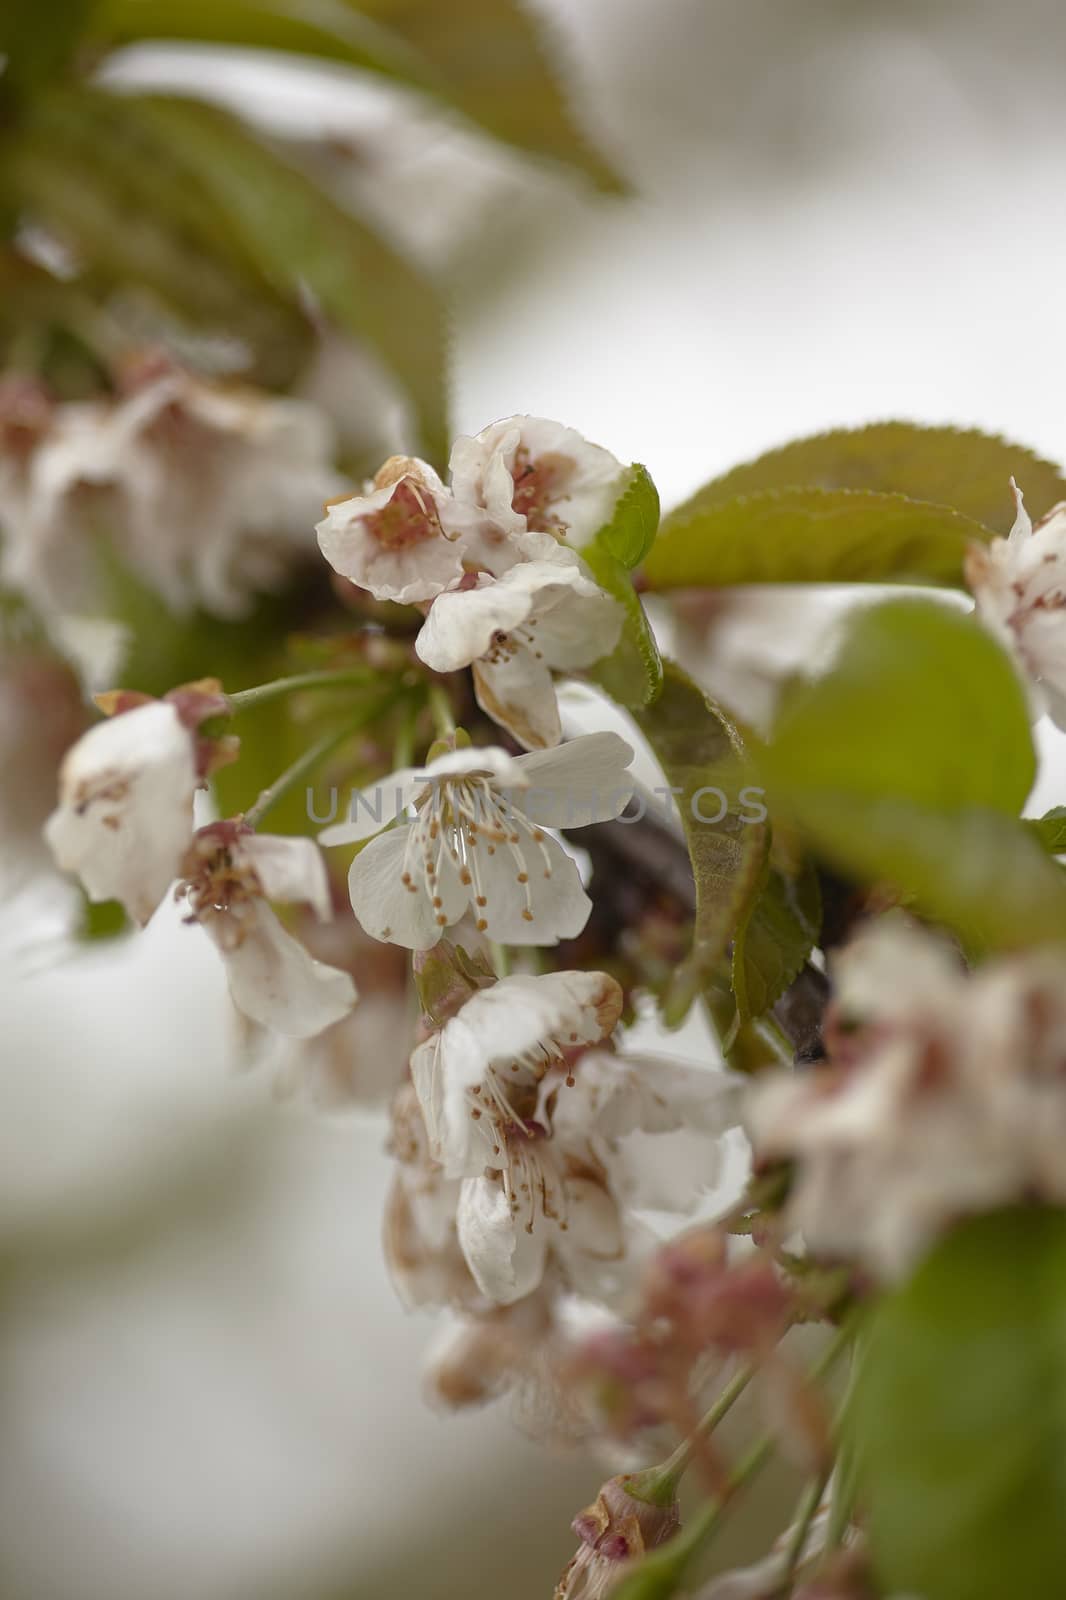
(1019, 585)
(229, 875)
(537, 476)
(947, 1099)
(513, 631)
(391, 540)
(124, 819)
(203, 492)
(543, 1145)
(620, 1526)
(422, 1252)
(478, 841)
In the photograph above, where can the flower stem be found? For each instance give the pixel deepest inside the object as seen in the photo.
(673, 1468)
(310, 759)
(441, 707)
(805, 1515)
(244, 699)
(658, 1575)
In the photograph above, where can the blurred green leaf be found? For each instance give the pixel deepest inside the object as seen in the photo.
(775, 938)
(958, 1417)
(328, 29)
(101, 920)
(633, 674)
(37, 42)
(1050, 830)
(631, 531)
(907, 763)
(500, 72)
(965, 469)
(703, 759)
(978, 872)
(302, 242)
(811, 536)
(921, 704)
(111, 188)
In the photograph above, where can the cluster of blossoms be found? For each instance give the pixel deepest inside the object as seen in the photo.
(547, 1172)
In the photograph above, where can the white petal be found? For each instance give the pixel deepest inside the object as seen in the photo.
(124, 820)
(515, 1015)
(382, 902)
(289, 869)
(406, 572)
(584, 780)
(274, 980)
(460, 626)
(443, 1069)
(506, 1261)
(372, 809)
(517, 691)
(550, 906)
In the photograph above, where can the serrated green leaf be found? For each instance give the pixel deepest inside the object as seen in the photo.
(921, 704)
(699, 750)
(958, 1416)
(812, 536)
(631, 531)
(301, 241)
(500, 70)
(774, 939)
(1050, 830)
(633, 674)
(958, 467)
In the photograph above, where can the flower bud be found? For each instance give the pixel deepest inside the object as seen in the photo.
(631, 1515)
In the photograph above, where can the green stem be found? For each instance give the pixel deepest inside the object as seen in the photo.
(658, 1575)
(310, 759)
(805, 1515)
(244, 699)
(441, 707)
(674, 1467)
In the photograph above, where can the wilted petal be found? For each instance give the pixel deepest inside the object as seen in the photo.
(274, 981)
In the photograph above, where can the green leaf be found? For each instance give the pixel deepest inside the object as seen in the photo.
(962, 468)
(328, 29)
(111, 188)
(921, 704)
(701, 755)
(774, 940)
(500, 72)
(631, 531)
(37, 42)
(812, 536)
(633, 674)
(907, 763)
(300, 240)
(1050, 830)
(978, 872)
(958, 1417)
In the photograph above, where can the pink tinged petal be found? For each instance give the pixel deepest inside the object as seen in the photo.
(506, 1261)
(274, 981)
(288, 869)
(391, 540)
(388, 908)
(516, 690)
(583, 781)
(124, 819)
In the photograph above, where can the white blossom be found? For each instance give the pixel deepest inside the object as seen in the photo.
(230, 875)
(124, 819)
(947, 1098)
(537, 476)
(203, 492)
(1019, 585)
(513, 631)
(391, 539)
(550, 1152)
(478, 842)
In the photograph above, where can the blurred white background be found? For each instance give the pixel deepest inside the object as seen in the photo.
(843, 212)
